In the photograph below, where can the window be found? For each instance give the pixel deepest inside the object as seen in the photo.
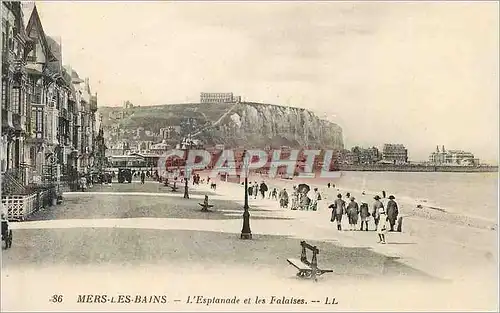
(4, 94)
(7, 31)
(26, 97)
(38, 95)
(16, 103)
(39, 120)
(33, 120)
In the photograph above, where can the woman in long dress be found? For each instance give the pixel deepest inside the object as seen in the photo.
(382, 226)
(315, 199)
(283, 198)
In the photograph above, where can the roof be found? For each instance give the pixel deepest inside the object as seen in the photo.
(20, 23)
(74, 74)
(34, 21)
(55, 47)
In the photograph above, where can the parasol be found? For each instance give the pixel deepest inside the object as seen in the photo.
(303, 188)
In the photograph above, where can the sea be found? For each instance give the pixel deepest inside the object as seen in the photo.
(469, 194)
(472, 194)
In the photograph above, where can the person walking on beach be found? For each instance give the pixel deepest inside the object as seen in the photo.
(316, 198)
(382, 226)
(274, 194)
(263, 188)
(364, 214)
(377, 205)
(283, 199)
(352, 213)
(295, 198)
(338, 209)
(83, 183)
(304, 201)
(392, 211)
(255, 190)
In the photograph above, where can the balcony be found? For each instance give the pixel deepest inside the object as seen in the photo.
(7, 119)
(31, 58)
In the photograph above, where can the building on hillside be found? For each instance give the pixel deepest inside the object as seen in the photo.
(160, 148)
(452, 157)
(219, 97)
(358, 155)
(144, 145)
(170, 132)
(395, 153)
(128, 105)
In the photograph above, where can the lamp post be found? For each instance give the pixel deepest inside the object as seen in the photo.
(246, 233)
(186, 176)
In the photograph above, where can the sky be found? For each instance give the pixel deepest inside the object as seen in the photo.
(421, 74)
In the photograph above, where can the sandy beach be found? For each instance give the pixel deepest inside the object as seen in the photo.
(455, 244)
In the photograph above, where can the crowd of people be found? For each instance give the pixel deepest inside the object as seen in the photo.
(383, 213)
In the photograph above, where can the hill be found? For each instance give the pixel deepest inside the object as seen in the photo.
(247, 123)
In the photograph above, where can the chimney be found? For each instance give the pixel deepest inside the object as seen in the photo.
(443, 149)
(437, 149)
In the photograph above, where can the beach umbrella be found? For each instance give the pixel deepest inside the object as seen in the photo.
(303, 188)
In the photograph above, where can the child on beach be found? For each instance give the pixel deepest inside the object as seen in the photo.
(274, 194)
(382, 226)
(377, 205)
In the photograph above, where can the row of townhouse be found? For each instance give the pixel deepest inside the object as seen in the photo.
(49, 129)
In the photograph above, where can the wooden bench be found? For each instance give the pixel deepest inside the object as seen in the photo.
(205, 206)
(308, 269)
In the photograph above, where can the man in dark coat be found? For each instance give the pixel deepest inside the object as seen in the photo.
(364, 214)
(143, 177)
(392, 211)
(263, 189)
(338, 209)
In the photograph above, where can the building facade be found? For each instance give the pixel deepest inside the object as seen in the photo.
(218, 97)
(452, 157)
(44, 115)
(395, 153)
(15, 93)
